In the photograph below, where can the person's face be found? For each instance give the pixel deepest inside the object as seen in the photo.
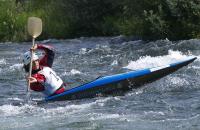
(36, 65)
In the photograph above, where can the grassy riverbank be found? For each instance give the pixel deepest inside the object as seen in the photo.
(148, 19)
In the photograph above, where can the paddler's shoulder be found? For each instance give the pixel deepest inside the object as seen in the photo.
(44, 46)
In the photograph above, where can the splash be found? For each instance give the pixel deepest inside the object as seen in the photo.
(97, 116)
(16, 67)
(114, 63)
(74, 72)
(178, 81)
(83, 51)
(149, 62)
(2, 61)
(11, 110)
(24, 109)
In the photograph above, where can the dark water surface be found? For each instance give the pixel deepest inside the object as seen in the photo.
(171, 103)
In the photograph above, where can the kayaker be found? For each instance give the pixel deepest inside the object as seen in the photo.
(43, 78)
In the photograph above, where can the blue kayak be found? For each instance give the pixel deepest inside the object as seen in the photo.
(119, 83)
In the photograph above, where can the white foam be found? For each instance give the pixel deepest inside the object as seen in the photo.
(149, 62)
(16, 67)
(15, 99)
(155, 113)
(140, 91)
(2, 61)
(101, 116)
(103, 100)
(114, 63)
(67, 110)
(74, 71)
(10, 110)
(178, 81)
(83, 51)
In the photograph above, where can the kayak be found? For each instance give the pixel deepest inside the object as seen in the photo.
(119, 83)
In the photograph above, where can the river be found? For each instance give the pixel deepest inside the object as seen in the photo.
(171, 103)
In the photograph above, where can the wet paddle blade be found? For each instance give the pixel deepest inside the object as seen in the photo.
(34, 26)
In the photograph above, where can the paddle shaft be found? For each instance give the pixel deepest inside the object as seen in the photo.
(31, 65)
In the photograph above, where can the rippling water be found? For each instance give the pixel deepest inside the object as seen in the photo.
(169, 103)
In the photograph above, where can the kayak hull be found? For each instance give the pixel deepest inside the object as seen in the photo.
(119, 83)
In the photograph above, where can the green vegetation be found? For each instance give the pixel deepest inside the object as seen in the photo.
(148, 19)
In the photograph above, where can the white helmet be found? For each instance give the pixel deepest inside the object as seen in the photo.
(27, 57)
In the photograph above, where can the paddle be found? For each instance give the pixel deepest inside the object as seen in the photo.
(34, 29)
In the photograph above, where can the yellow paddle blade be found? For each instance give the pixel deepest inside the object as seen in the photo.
(34, 26)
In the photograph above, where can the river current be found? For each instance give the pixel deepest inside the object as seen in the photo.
(171, 103)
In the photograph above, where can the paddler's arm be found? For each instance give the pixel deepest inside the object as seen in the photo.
(35, 82)
(47, 59)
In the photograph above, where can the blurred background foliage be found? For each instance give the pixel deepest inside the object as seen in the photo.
(62, 19)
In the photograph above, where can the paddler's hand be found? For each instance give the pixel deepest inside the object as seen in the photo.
(32, 80)
(33, 48)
